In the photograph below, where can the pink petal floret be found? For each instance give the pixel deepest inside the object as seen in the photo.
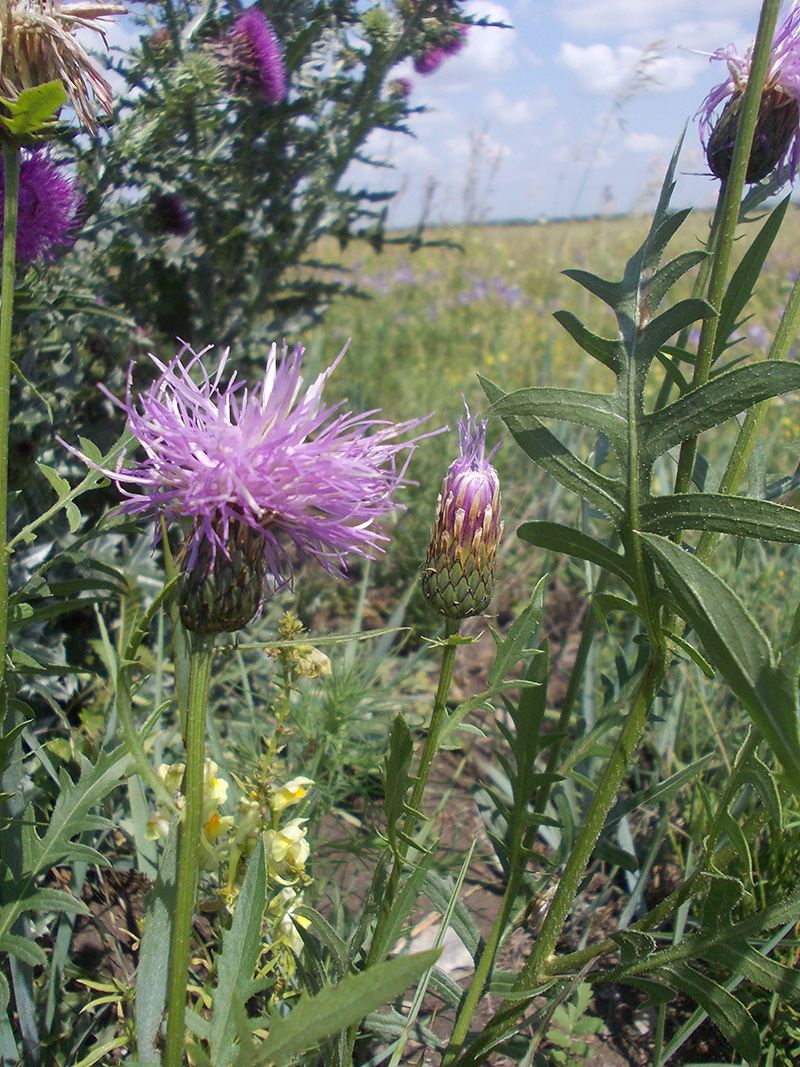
(275, 458)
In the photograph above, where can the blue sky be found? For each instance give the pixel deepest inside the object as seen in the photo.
(575, 110)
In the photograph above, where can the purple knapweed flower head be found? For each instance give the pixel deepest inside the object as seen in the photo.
(49, 207)
(252, 474)
(432, 58)
(776, 142)
(458, 579)
(256, 56)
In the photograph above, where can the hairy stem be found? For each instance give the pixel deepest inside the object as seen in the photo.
(11, 162)
(605, 795)
(731, 194)
(188, 848)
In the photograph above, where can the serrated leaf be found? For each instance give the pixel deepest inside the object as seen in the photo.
(606, 350)
(557, 537)
(334, 1009)
(635, 945)
(35, 109)
(742, 516)
(740, 287)
(726, 395)
(604, 603)
(757, 968)
(609, 292)
(738, 648)
(730, 1015)
(24, 949)
(656, 992)
(597, 410)
(439, 891)
(54, 900)
(72, 811)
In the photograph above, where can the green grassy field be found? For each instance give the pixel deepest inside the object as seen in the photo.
(438, 318)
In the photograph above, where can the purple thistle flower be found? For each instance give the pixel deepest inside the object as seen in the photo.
(431, 59)
(261, 467)
(458, 579)
(49, 206)
(258, 55)
(777, 137)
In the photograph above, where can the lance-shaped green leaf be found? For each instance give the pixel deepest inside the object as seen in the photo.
(743, 280)
(607, 350)
(601, 411)
(557, 537)
(726, 1010)
(724, 396)
(236, 963)
(334, 1009)
(610, 293)
(666, 276)
(670, 322)
(738, 648)
(545, 449)
(742, 516)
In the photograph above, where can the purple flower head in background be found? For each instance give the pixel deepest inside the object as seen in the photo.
(274, 461)
(432, 58)
(49, 207)
(257, 55)
(170, 215)
(775, 143)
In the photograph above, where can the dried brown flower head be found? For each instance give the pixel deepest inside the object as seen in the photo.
(38, 45)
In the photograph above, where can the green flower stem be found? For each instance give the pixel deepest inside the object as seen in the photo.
(731, 194)
(11, 203)
(484, 968)
(605, 795)
(377, 949)
(188, 848)
(590, 626)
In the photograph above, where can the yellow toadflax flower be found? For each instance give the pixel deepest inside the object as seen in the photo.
(38, 45)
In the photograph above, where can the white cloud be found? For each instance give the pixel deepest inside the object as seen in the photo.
(644, 16)
(605, 70)
(510, 112)
(647, 144)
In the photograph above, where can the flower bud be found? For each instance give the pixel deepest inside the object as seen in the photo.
(776, 125)
(223, 591)
(458, 580)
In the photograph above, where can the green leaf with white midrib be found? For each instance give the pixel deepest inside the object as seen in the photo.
(726, 395)
(558, 537)
(602, 411)
(742, 516)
